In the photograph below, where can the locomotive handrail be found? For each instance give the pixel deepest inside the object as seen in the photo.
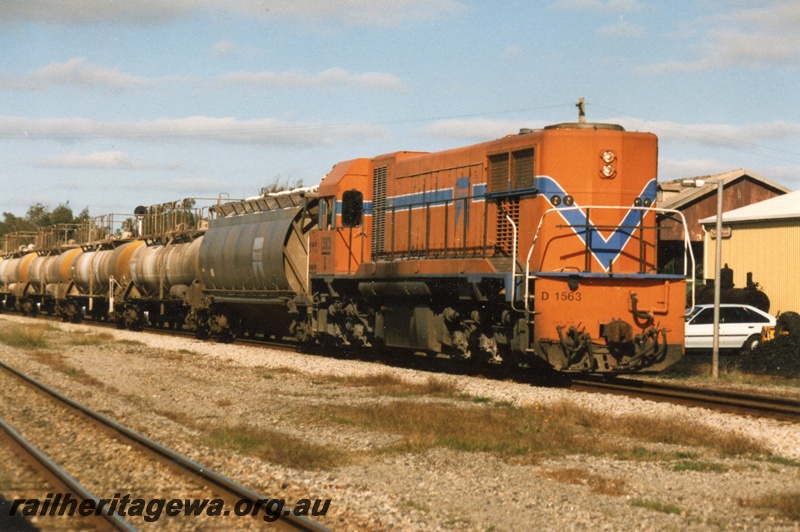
(513, 264)
(403, 206)
(687, 242)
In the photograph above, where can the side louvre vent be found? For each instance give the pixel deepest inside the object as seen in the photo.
(498, 172)
(378, 210)
(510, 171)
(523, 168)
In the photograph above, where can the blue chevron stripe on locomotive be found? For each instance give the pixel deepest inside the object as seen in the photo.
(605, 250)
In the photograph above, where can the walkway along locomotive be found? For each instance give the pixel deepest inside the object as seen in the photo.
(537, 248)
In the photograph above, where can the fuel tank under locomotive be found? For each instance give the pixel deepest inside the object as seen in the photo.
(254, 270)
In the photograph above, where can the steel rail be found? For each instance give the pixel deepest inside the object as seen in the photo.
(775, 407)
(288, 519)
(62, 477)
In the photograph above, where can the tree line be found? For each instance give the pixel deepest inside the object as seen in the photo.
(40, 215)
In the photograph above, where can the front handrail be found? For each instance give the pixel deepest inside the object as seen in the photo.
(688, 252)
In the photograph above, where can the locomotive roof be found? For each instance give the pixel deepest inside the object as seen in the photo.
(586, 125)
(522, 132)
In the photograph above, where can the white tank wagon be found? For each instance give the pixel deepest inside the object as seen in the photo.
(15, 278)
(4, 268)
(59, 272)
(31, 295)
(91, 291)
(48, 275)
(161, 276)
(6, 297)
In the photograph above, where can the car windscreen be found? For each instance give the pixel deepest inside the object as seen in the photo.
(694, 313)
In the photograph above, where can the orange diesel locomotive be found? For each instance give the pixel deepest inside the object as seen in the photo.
(535, 248)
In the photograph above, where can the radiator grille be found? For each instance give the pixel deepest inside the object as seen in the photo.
(378, 210)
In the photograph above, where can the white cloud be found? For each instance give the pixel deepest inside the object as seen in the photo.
(77, 72)
(475, 130)
(603, 6)
(725, 135)
(767, 141)
(103, 160)
(622, 29)
(92, 11)
(223, 48)
(756, 38)
(675, 169)
(365, 12)
(326, 78)
(266, 131)
(146, 12)
(758, 139)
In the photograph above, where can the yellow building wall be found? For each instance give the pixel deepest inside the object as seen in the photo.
(771, 250)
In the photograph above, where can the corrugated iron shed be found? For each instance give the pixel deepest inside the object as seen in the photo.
(784, 207)
(763, 238)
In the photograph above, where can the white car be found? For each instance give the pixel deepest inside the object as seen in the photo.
(739, 327)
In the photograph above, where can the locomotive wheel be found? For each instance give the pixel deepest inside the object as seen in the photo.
(225, 337)
(509, 363)
(788, 323)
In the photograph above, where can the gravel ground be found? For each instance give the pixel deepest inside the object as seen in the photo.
(175, 390)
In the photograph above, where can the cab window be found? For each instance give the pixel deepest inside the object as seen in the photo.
(327, 213)
(352, 208)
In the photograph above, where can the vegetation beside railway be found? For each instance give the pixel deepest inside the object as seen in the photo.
(779, 357)
(775, 363)
(39, 215)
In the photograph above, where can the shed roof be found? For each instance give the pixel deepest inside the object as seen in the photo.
(678, 196)
(783, 207)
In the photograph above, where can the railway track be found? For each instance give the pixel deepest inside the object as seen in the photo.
(774, 407)
(770, 406)
(142, 454)
(54, 479)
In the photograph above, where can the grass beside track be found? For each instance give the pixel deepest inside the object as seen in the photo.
(528, 433)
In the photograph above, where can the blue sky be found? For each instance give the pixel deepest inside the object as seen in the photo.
(110, 104)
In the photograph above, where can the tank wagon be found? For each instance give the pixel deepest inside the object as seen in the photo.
(162, 267)
(253, 269)
(64, 269)
(538, 248)
(19, 250)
